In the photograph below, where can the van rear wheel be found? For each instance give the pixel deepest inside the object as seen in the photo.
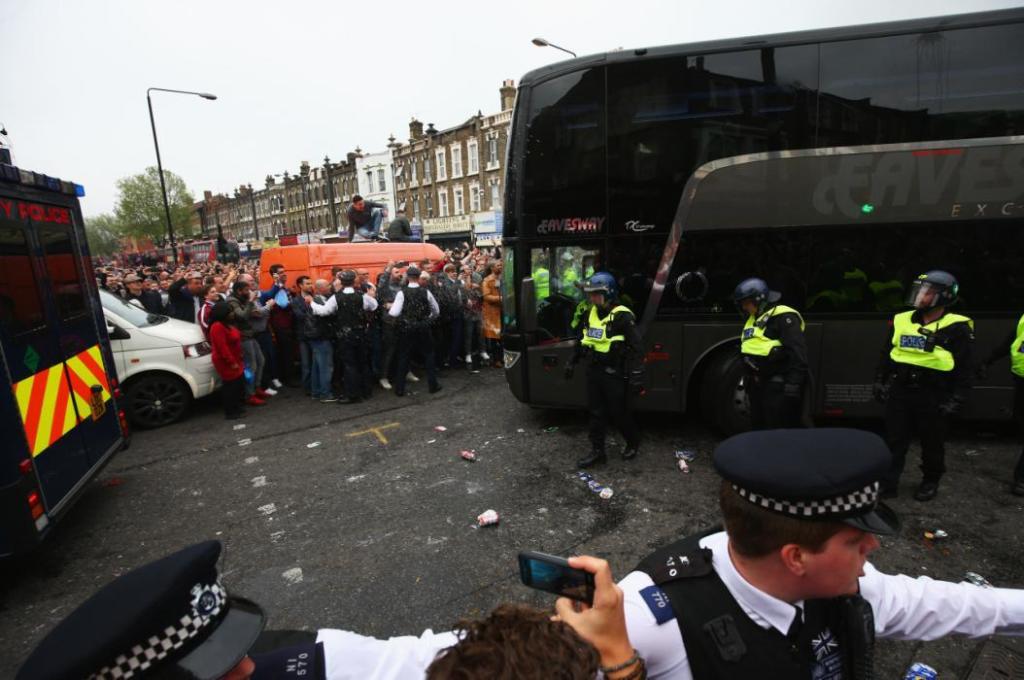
(157, 400)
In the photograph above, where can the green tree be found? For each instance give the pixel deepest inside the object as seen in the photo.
(104, 234)
(140, 205)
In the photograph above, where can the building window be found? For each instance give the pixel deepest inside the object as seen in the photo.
(474, 198)
(442, 171)
(457, 160)
(442, 203)
(381, 182)
(495, 195)
(472, 159)
(492, 152)
(412, 169)
(416, 206)
(459, 209)
(430, 206)
(369, 181)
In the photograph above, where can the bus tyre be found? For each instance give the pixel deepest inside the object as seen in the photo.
(723, 400)
(157, 400)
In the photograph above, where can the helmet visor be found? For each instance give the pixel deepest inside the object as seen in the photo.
(925, 295)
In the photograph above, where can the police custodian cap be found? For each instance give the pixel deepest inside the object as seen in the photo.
(828, 474)
(171, 612)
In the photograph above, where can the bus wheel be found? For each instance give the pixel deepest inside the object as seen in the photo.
(724, 400)
(157, 400)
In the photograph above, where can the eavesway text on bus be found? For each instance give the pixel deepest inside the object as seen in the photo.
(974, 182)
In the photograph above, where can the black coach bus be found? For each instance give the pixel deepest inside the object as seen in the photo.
(836, 164)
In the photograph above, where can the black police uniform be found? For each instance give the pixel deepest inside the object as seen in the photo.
(351, 345)
(775, 381)
(171, 615)
(827, 638)
(920, 399)
(414, 333)
(613, 377)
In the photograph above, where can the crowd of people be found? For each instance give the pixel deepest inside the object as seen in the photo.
(337, 339)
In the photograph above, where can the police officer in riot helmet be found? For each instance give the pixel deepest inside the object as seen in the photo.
(613, 348)
(348, 306)
(774, 353)
(923, 377)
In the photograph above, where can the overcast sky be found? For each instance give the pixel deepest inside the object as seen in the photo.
(297, 80)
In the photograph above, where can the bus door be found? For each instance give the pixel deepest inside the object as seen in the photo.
(558, 273)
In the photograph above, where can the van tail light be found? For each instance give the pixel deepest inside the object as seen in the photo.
(25, 466)
(122, 418)
(35, 504)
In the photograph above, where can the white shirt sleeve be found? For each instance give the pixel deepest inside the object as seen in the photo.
(661, 645)
(326, 309)
(352, 656)
(396, 306)
(435, 311)
(925, 609)
(369, 304)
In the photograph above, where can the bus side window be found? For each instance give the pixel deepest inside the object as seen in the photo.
(62, 268)
(20, 308)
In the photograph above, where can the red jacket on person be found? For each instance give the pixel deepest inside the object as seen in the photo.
(226, 342)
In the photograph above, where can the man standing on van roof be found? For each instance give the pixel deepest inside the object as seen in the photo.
(365, 217)
(400, 229)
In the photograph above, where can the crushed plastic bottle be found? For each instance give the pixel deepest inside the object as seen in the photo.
(468, 455)
(977, 579)
(921, 671)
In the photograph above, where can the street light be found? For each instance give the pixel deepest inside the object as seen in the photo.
(541, 42)
(160, 165)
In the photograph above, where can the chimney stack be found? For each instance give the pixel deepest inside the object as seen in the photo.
(508, 94)
(415, 130)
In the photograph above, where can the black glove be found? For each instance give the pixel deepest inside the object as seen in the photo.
(951, 406)
(570, 369)
(792, 390)
(636, 380)
(881, 392)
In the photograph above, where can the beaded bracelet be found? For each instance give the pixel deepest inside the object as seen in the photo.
(625, 664)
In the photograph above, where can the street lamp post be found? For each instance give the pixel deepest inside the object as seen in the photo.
(541, 42)
(159, 163)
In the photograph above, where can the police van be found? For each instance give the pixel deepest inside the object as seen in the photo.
(59, 412)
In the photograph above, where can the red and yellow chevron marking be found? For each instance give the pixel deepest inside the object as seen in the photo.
(47, 403)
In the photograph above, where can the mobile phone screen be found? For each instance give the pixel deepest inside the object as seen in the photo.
(554, 575)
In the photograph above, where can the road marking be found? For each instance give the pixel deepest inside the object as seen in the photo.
(375, 431)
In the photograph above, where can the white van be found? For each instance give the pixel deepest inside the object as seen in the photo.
(162, 363)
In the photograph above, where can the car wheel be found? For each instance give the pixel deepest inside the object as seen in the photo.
(157, 400)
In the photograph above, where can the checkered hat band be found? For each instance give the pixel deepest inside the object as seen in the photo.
(207, 603)
(837, 506)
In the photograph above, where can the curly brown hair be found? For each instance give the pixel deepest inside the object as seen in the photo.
(516, 641)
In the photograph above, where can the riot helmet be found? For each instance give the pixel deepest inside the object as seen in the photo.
(757, 291)
(604, 283)
(932, 289)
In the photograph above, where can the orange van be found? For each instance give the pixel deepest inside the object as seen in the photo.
(318, 259)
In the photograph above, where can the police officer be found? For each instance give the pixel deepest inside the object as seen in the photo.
(786, 590)
(612, 342)
(415, 309)
(923, 377)
(170, 618)
(774, 354)
(541, 282)
(351, 342)
(1013, 346)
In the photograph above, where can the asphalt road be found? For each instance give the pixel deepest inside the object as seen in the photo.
(328, 523)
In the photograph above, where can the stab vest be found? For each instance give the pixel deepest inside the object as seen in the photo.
(415, 308)
(722, 642)
(753, 340)
(349, 316)
(921, 345)
(1017, 351)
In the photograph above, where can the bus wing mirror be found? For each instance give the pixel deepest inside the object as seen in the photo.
(528, 305)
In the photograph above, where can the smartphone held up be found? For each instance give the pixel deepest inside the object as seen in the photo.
(553, 574)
